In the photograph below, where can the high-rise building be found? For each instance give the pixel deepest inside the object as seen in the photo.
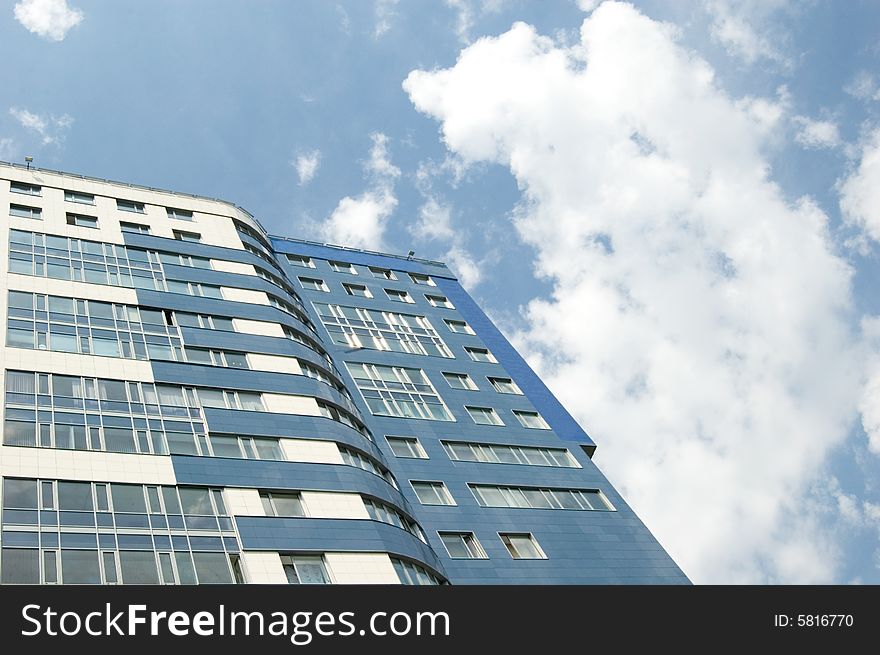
(191, 400)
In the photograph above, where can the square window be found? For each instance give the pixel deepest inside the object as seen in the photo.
(505, 385)
(522, 545)
(531, 420)
(432, 493)
(462, 545)
(460, 381)
(358, 290)
(406, 447)
(480, 355)
(484, 416)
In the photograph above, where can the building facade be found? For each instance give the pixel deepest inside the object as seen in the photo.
(190, 400)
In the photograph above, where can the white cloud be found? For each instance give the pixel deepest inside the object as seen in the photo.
(750, 29)
(50, 19)
(306, 164)
(434, 221)
(467, 12)
(463, 264)
(52, 130)
(816, 134)
(863, 86)
(587, 5)
(869, 402)
(860, 190)
(385, 12)
(699, 325)
(360, 222)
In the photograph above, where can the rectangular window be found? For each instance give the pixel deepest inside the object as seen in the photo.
(382, 273)
(282, 504)
(484, 416)
(540, 498)
(343, 267)
(460, 381)
(522, 545)
(301, 260)
(426, 280)
(406, 447)
(399, 296)
(432, 493)
(399, 391)
(439, 301)
(134, 227)
(459, 327)
(531, 420)
(180, 235)
(462, 545)
(413, 574)
(305, 569)
(313, 283)
(506, 454)
(480, 355)
(24, 211)
(179, 214)
(79, 198)
(130, 206)
(505, 385)
(82, 221)
(358, 290)
(26, 189)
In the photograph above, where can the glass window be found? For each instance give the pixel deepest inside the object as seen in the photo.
(268, 449)
(82, 221)
(432, 493)
(505, 385)
(406, 447)
(484, 416)
(342, 267)
(522, 546)
(20, 566)
(179, 214)
(195, 500)
(418, 278)
(24, 211)
(462, 545)
(382, 273)
(300, 260)
(180, 235)
(128, 498)
(26, 189)
(138, 567)
(480, 355)
(212, 568)
(80, 567)
(399, 296)
(305, 569)
(225, 446)
(19, 494)
(357, 290)
(531, 419)
(460, 381)
(459, 327)
(80, 198)
(313, 283)
(130, 206)
(75, 496)
(439, 301)
(286, 504)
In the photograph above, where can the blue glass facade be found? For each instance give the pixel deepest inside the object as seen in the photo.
(208, 367)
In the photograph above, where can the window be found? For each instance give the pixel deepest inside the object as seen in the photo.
(26, 189)
(301, 260)
(406, 447)
(439, 301)
(484, 416)
(134, 227)
(180, 235)
(130, 206)
(462, 545)
(179, 214)
(24, 211)
(82, 221)
(79, 198)
(382, 273)
(460, 381)
(343, 267)
(504, 454)
(398, 391)
(282, 504)
(522, 545)
(505, 385)
(358, 290)
(193, 289)
(480, 355)
(540, 498)
(410, 573)
(305, 569)
(399, 296)
(313, 283)
(358, 327)
(459, 327)
(387, 514)
(432, 493)
(354, 458)
(426, 280)
(531, 419)
(246, 447)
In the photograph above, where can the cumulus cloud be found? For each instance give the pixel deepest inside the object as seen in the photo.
(52, 130)
(50, 19)
(306, 165)
(360, 221)
(749, 29)
(699, 323)
(816, 134)
(860, 190)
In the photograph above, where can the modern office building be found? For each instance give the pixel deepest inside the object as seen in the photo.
(191, 400)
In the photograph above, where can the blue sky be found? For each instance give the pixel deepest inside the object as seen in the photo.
(671, 208)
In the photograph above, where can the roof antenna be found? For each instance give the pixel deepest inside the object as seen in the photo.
(29, 160)
(410, 254)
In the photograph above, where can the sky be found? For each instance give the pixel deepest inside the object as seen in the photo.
(671, 209)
